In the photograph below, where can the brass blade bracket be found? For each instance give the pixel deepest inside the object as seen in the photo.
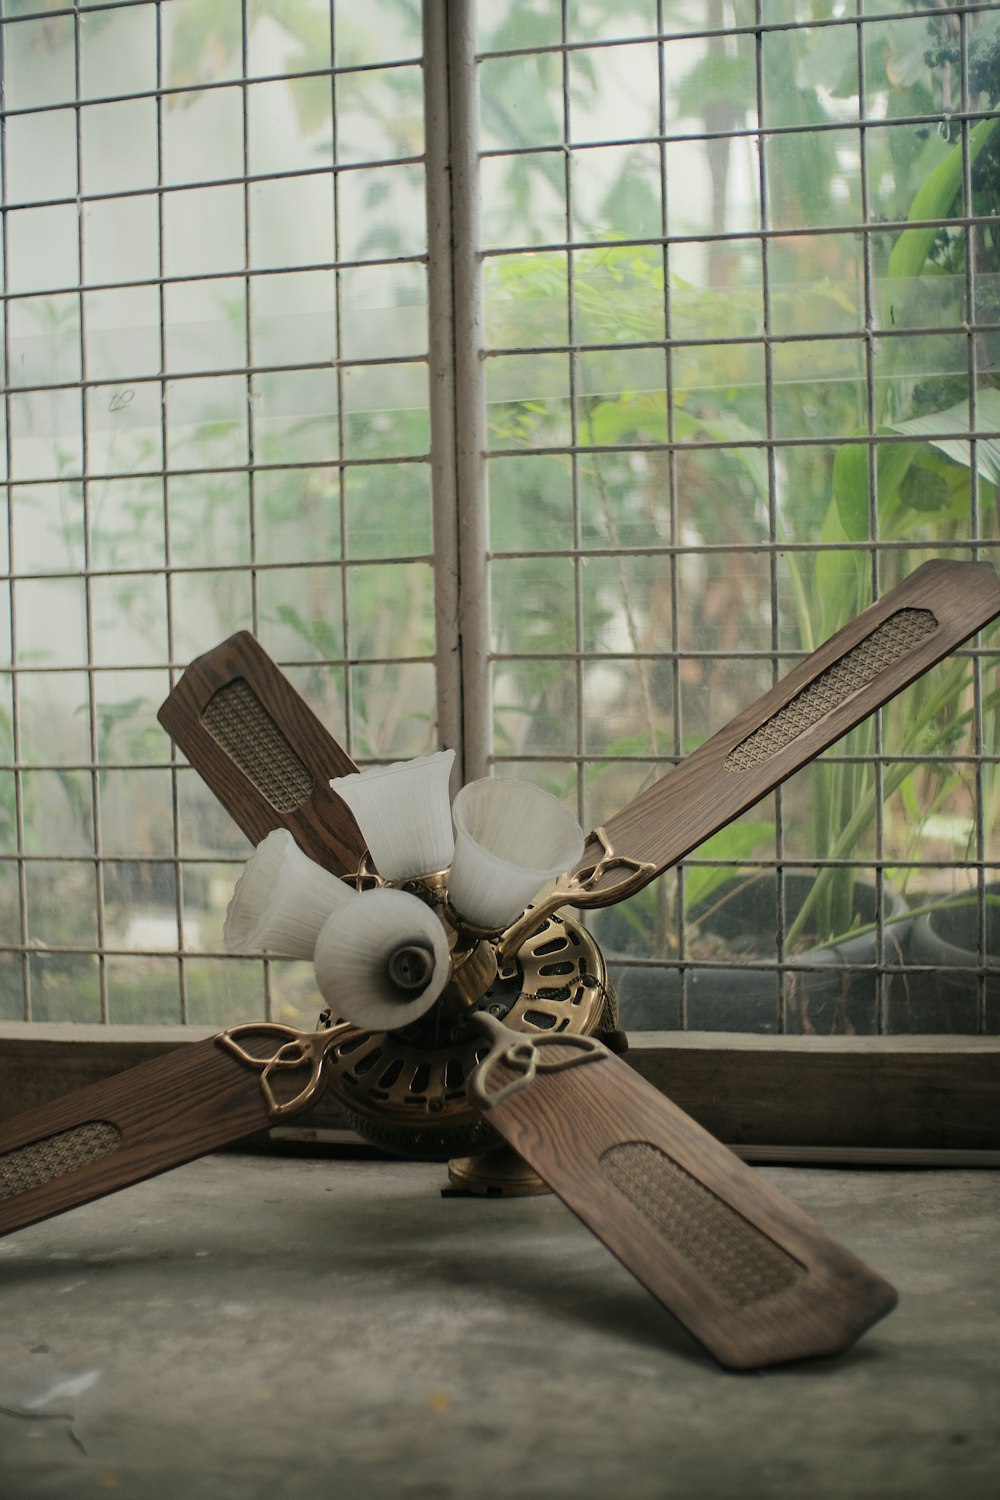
(582, 887)
(292, 1051)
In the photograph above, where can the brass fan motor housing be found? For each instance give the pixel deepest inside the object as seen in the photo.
(404, 1091)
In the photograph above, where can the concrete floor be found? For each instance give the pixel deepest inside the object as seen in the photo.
(295, 1328)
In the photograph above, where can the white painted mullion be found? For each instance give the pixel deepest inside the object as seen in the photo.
(458, 406)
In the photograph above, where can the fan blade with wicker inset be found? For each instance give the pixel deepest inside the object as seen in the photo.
(880, 652)
(143, 1121)
(747, 1272)
(263, 751)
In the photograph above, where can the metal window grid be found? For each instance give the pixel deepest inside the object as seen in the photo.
(469, 655)
(571, 154)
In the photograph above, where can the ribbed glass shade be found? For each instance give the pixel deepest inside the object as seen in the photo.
(282, 900)
(404, 813)
(383, 962)
(510, 838)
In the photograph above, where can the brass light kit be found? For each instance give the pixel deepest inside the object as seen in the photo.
(468, 1018)
(414, 1034)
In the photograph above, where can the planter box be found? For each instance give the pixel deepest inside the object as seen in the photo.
(946, 996)
(825, 990)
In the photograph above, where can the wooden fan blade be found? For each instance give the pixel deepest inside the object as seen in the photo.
(123, 1129)
(263, 751)
(754, 1278)
(880, 652)
(145, 1120)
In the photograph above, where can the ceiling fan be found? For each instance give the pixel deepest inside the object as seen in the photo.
(462, 1013)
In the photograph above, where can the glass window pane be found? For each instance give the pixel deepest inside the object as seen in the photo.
(64, 987)
(48, 528)
(523, 199)
(390, 611)
(43, 249)
(126, 523)
(297, 514)
(528, 401)
(534, 80)
(209, 518)
(41, 156)
(294, 318)
(203, 136)
(202, 43)
(208, 607)
(117, 45)
(383, 311)
(135, 813)
(531, 495)
(295, 413)
(297, 42)
(299, 613)
(203, 231)
(616, 192)
(125, 705)
(626, 603)
(382, 213)
(204, 325)
(122, 333)
(206, 422)
(54, 719)
(130, 620)
(120, 240)
(291, 222)
(379, 114)
(528, 609)
(385, 411)
(534, 707)
(625, 499)
(614, 92)
(143, 991)
(388, 510)
(59, 812)
(124, 428)
(51, 621)
(223, 992)
(392, 711)
(373, 31)
(527, 301)
(39, 63)
(118, 146)
(60, 905)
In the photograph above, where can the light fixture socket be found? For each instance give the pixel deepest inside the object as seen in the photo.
(404, 813)
(281, 900)
(384, 961)
(510, 838)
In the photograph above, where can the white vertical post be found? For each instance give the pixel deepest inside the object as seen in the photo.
(458, 408)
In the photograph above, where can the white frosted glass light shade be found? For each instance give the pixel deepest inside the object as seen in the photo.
(362, 953)
(510, 838)
(282, 900)
(404, 813)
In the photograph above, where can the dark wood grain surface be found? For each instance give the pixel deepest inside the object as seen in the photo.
(701, 795)
(905, 1093)
(167, 1111)
(571, 1125)
(322, 825)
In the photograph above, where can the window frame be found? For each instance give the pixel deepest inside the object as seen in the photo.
(873, 1091)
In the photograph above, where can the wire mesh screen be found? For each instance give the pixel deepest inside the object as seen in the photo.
(216, 419)
(741, 274)
(739, 266)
